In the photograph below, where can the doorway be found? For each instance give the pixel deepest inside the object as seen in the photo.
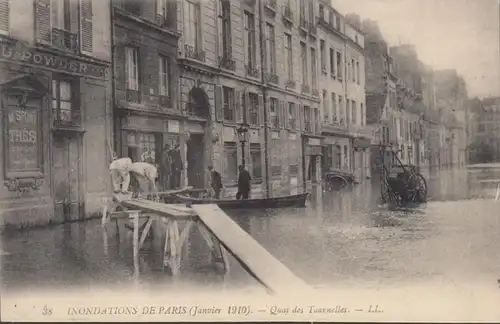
(195, 161)
(68, 204)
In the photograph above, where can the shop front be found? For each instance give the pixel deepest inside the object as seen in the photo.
(361, 159)
(54, 115)
(312, 158)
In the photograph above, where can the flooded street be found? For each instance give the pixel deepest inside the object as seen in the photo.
(341, 240)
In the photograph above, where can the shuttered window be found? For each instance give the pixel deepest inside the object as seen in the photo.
(86, 26)
(164, 75)
(4, 16)
(132, 68)
(42, 21)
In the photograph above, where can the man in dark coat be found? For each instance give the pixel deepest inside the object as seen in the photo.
(216, 181)
(177, 166)
(243, 183)
(166, 169)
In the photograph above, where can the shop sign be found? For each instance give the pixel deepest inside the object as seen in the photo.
(31, 56)
(173, 126)
(314, 150)
(144, 123)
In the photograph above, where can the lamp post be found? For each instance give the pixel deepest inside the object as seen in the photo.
(242, 130)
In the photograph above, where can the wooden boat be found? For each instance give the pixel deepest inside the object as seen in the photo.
(298, 201)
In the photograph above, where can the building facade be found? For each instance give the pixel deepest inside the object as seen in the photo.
(484, 130)
(55, 108)
(147, 113)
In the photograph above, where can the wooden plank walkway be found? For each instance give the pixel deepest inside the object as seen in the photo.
(253, 257)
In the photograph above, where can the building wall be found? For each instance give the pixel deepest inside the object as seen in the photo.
(73, 178)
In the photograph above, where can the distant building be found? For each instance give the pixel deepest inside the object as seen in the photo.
(484, 130)
(54, 89)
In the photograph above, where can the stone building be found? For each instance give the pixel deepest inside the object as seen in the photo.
(54, 76)
(484, 130)
(147, 113)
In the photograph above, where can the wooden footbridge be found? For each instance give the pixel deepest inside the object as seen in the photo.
(219, 231)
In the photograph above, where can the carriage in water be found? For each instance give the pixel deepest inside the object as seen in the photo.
(402, 185)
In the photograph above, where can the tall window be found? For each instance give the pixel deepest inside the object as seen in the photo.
(61, 17)
(256, 156)
(354, 112)
(348, 111)
(231, 162)
(353, 68)
(253, 109)
(303, 62)
(193, 31)
(62, 100)
(362, 111)
(132, 68)
(316, 120)
(147, 147)
(322, 54)
(307, 118)
(357, 73)
(326, 113)
(334, 107)
(250, 51)
(164, 75)
(270, 49)
(321, 11)
(288, 56)
(274, 108)
(341, 111)
(292, 116)
(161, 9)
(229, 113)
(339, 65)
(314, 69)
(4, 16)
(332, 61)
(226, 28)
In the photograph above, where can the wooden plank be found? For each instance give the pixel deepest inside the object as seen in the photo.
(159, 208)
(258, 261)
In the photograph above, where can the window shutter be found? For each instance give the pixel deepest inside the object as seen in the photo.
(86, 36)
(4, 15)
(237, 106)
(219, 102)
(42, 21)
(262, 110)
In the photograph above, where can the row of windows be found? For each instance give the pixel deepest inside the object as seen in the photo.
(335, 112)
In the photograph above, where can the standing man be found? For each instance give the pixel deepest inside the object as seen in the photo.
(166, 170)
(177, 166)
(215, 181)
(244, 180)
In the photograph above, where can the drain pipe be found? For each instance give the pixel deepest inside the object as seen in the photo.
(264, 98)
(112, 142)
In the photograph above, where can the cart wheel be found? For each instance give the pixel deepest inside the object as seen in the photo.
(418, 186)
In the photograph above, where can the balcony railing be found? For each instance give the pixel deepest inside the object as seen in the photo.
(287, 14)
(194, 110)
(305, 88)
(64, 40)
(290, 84)
(312, 27)
(272, 4)
(303, 24)
(272, 78)
(193, 53)
(165, 101)
(274, 121)
(164, 22)
(308, 126)
(67, 118)
(292, 123)
(225, 62)
(315, 93)
(251, 71)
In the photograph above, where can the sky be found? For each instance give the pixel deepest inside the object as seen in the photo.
(457, 34)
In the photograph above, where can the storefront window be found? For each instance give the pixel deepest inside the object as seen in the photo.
(147, 147)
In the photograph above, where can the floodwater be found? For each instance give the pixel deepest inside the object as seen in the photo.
(342, 239)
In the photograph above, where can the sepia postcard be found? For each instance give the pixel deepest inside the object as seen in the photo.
(250, 160)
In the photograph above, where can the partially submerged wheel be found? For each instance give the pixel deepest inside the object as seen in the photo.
(336, 182)
(417, 188)
(388, 196)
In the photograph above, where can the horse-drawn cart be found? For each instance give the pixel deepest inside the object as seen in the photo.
(402, 185)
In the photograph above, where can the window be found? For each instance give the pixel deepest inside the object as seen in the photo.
(316, 119)
(161, 10)
(334, 107)
(338, 157)
(230, 172)
(292, 116)
(193, 31)
(357, 73)
(326, 115)
(341, 110)
(61, 17)
(322, 55)
(62, 101)
(362, 118)
(147, 147)
(164, 75)
(229, 109)
(321, 11)
(274, 108)
(226, 28)
(303, 62)
(256, 156)
(354, 112)
(353, 72)
(348, 111)
(288, 56)
(314, 68)
(480, 128)
(253, 109)
(4, 17)
(332, 61)
(132, 68)
(339, 64)
(346, 158)
(250, 40)
(307, 119)
(332, 18)
(271, 49)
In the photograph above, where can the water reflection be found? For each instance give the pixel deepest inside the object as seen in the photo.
(341, 238)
